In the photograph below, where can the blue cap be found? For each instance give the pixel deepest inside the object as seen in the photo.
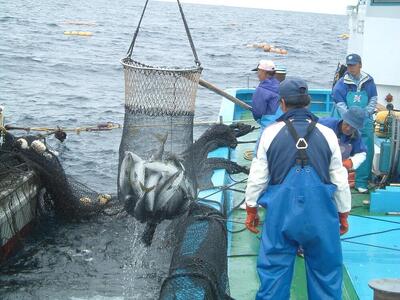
(353, 59)
(295, 91)
(355, 117)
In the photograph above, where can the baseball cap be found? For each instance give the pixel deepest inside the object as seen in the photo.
(280, 70)
(295, 91)
(353, 59)
(266, 65)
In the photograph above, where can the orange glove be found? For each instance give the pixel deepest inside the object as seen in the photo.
(344, 225)
(252, 219)
(348, 164)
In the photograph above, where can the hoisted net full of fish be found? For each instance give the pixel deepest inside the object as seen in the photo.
(156, 181)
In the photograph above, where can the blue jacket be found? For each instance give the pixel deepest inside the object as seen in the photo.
(355, 141)
(282, 152)
(276, 155)
(342, 87)
(266, 98)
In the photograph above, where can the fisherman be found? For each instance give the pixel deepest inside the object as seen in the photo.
(299, 177)
(357, 88)
(265, 101)
(280, 73)
(347, 129)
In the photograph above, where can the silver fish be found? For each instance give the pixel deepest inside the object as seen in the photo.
(137, 175)
(158, 154)
(158, 189)
(150, 191)
(124, 176)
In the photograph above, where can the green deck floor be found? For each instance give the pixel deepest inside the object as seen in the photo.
(243, 279)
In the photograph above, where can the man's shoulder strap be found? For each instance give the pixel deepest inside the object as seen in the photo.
(301, 142)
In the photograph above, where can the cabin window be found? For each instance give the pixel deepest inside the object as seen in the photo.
(389, 2)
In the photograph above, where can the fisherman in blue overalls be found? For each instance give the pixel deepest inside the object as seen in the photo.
(299, 178)
(351, 145)
(265, 101)
(357, 88)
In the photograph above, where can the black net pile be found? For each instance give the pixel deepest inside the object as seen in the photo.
(67, 196)
(199, 264)
(158, 102)
(14, 171)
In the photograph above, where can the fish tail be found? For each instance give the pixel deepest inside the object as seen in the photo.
(148, 233)
(146, 189)
(162, 139)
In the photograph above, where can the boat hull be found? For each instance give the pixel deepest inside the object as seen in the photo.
(18, 203)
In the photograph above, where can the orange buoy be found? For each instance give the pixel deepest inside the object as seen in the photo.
(80, 33)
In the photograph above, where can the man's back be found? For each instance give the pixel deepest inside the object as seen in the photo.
(266, 98)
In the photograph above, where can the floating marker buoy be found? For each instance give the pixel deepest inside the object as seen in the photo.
(80, 33)
(85, 200)
(104, 198)
(38, 146)
(277, 51)
(22, 143)
(268, 48)
(344, 36)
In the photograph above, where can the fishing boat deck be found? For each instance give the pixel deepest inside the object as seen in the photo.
(366, 256)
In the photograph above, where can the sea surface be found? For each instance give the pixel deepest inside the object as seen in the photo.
(50, 79)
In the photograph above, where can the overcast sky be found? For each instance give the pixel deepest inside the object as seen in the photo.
(319, 6)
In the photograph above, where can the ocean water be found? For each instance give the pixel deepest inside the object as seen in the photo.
(50, 79)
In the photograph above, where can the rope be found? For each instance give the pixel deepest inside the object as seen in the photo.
(130, 50)
(371, 245)
(189, 36)
(248, 154)
(221, 189)
(247, 142)
(51, 130)
(376, 219)
(196, 59)
(111, 125)
(368, 234)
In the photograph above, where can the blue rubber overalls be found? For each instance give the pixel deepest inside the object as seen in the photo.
(300, 212)
(363, 173)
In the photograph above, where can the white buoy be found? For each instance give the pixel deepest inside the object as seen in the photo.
(22, 143)
(38, 146)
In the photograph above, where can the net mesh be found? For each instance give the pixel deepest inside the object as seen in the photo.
(69, 197)
(158, 91)
(198, 268)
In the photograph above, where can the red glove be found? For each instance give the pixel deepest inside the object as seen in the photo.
(252, 219)
(348, 164)
(344, 225)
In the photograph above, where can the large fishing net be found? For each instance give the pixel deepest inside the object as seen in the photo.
(156, 149)
(158, 102)
(158, 127)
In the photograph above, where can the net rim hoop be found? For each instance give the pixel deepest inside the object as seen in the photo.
(141, 66)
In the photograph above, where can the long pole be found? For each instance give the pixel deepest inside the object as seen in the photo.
(224, 94)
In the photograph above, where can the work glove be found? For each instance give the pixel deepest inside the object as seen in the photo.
(252, 219)
(344, 225)
(348, 164)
